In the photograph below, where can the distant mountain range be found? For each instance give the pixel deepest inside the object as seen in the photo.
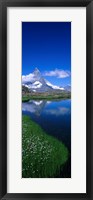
(68, 88)
(39, 84)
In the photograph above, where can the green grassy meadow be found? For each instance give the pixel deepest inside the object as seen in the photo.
(26, 98)
(42, 154)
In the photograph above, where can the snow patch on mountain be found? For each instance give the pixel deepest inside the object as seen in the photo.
(36, 84)
(54, 86)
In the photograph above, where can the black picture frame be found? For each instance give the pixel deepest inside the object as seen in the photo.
(3, 96)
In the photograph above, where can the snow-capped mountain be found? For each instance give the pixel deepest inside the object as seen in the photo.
(54, 86)
(36, 83)
(68, 88)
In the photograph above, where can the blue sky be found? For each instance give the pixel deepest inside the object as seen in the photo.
(47, 46)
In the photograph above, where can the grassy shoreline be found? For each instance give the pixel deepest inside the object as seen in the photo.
(42, 155)
(48, 97)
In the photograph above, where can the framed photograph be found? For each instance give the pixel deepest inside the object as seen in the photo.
(46, 131)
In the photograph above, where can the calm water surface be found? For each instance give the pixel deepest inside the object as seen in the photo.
(54, 117)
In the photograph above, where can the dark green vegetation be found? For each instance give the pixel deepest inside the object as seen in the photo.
(46, 96)
(42, 155)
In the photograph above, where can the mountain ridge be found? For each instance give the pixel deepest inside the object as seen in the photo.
(38, 84)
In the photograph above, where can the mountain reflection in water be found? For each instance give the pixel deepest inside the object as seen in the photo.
(35, 107)
(53, 116)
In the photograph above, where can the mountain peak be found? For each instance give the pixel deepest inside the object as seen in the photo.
(37, 83)
(37, 72)
(36, 69)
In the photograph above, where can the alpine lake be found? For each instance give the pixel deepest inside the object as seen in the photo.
(46, 138)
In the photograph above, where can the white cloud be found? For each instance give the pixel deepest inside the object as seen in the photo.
(58, 73)
(59, 111)
(28, 78)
